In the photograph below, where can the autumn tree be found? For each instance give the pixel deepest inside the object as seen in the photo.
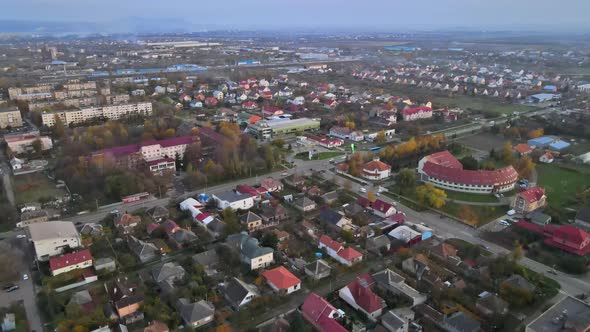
(59, 129)
(506, 154)
(350, 125)
(431, 196)
(516, 253)
(525, 167)
(371, 196)
(380, 139)
(37, 146)
(355, 164)
(468, 215)
(536, 133)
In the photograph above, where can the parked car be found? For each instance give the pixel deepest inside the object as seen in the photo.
(25, 276)
(511, 212)
(21, 236)
(9, 286)
(363, 190)
(12, 289)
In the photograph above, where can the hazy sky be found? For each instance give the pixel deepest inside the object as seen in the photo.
(377, 14)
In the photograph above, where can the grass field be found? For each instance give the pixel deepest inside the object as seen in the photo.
(32, 187)
(485, 214)
(319, 156)
(467, 197)
(560, 183)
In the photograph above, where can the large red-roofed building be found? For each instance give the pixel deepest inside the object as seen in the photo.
(443, 170)
(417, 113)
(376, 170)
(565, 237)
(529, 200)
(72, 261)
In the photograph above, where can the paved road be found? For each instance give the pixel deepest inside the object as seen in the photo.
(5, 172)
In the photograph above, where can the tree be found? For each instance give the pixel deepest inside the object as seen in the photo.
(270, 239)
(347, 236)
(350, 125)
(506, 154)
(468, 215)
(380, 139)
(59, 129)
(371, 196)
(406, 179)
(37, 146)
(232, 226)
(279, 143)
(469, 163)
(429, 195)
(516, 253)
(536, 133)
(525, 167)
(11, 260)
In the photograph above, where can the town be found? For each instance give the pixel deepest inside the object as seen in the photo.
(261, 182)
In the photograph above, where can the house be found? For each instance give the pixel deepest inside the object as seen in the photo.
(216, 228)
(566, 237)
(304, 204)
(546, 158)
(144, 251)
(9, 322)
(393, 282)
(108, 264)
(52, 238)
(239, 293)
(347, 256)
(195, 314)
(251, 220)
(330, 197)
(271, 184)
(346, 133)
(416, 266)
(295, 180)
(125, 298)
(523, 149)
(568, 314)
(445, 252)
(69, 262)
(209, 260)
(383, 209)
(412, 114)
(378, 244)
(251, 253)
(233, 200)
(85, 300)
(92, 229)
(583, 217)
(539, 218)
(491, 305)
(182, 237)
(519, 282)
(126, 222)
(158, 213)
(358, 294)
(282, 280)
(394, 323)
(272, 215)
(168, 272)
(376, 170)
(318, 270)
(156, 326)
(32, 217)
(529, 200)
(322, 315)
(461, 322)
(335, 220)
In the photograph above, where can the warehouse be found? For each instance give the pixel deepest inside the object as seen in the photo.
(265, 129)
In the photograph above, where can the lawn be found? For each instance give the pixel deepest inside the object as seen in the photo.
(561, 184)
(319, 156)
(468, 197)
(32, 187)
(485, 214)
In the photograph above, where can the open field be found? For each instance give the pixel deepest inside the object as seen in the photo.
(467, 197)
(560, 183)
(35, 186)
(319, 156)
(483, 141)
(485, 214)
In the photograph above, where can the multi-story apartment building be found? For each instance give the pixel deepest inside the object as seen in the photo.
(30, 93)
(112, 112)
(10, 117)
(157, 155)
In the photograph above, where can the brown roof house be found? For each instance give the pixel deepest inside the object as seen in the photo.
(126, 222)
(126, 300)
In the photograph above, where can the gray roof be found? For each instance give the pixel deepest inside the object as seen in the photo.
(303, 202)
(184, 236)
(231, 196)
(158, 212)
(493, 303)
(236, 290)
(378, 242)
(216, 226)
(170, 270)
(52, 230)
(461, 322)
(141, 248)
(250, 217)
(194, 312)
(33, 214)
(569, 313)
(519, 281)
(392, 320)
(332, 195)
(207, 258)
(247, 245)
(388, 277)
(584, 214)
(318, 267)
(81, 297)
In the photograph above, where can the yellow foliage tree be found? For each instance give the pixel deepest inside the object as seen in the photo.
(429, 195)
(536, 133)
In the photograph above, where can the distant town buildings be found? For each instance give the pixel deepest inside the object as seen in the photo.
(112, 112)
(10, 118)
(23, 142)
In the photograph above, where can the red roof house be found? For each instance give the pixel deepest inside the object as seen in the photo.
(360, 296)
(321, 314)
(383, 209)
(281, 280)
(376, 170)
(566, 237)
(68, 262)
(347, 256)
(523, 149)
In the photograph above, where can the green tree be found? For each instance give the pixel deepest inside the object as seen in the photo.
(59, 129)
(347, 236)
(380, 139)
(469, 163)
(270, 239)
(431, 196)
(406, 179)
(230, 219)
(37, 146)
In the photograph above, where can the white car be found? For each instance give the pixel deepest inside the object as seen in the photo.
(25, 277)
(21, 236)
(504, 223)
(363, 190)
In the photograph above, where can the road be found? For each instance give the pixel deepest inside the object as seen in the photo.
(5, 173)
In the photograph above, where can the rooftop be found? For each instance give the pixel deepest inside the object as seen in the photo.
(52, 230)
(569, 314)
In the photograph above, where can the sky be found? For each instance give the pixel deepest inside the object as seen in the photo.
(375, 15)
